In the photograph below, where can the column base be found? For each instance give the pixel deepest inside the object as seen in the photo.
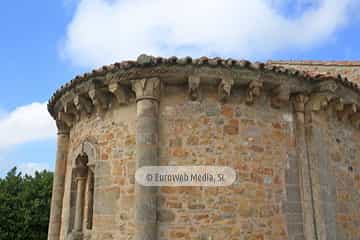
(75, 236)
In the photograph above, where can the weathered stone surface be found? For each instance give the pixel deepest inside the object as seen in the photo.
(297, 166)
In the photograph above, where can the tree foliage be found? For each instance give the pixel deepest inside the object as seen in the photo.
(25, 205)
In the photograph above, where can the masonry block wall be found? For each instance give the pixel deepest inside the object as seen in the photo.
(292, 139)
(113, 134)
(335, 158)
(257, 141)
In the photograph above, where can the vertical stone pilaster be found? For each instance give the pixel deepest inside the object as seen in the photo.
(305, 182)
(321, 181)
(58, 182)
(147, 139)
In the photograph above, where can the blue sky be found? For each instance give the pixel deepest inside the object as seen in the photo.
(44, 44)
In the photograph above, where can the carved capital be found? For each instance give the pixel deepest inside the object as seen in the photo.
(281, 96)
(81, 166)
(299, 101)
(119, 93)
(194, 87)
(83, 104)
(224, 88)
(62, 127)
(253, 91)
(147, 88)
(320, 100)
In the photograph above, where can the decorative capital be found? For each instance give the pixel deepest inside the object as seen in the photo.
(62, 127)
(81, 166)
(253, 91)
(299, 101)
(320, 100)
(224, 88)
(194, 87)
(147, 88)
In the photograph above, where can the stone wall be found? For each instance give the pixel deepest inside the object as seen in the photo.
(291, 138)
(113, 135)
(257, 141)
(349, 69)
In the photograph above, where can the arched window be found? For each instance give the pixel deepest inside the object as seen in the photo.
(82, 191)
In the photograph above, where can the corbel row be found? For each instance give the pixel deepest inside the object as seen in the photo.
(97, 98)
(324, 97)
(280, 95)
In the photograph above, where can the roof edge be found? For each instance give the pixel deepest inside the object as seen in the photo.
(355, 63)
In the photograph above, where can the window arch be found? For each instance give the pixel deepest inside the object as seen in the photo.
(82, 189)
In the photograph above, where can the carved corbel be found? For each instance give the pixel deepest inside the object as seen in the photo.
(83, 104)
(224, 89)
(319, 101)
(348, 110)
(147, 88)
(119, 92)
(194, 87)
(253, 91)
(99, 98)
(66, 118)
(280, 96)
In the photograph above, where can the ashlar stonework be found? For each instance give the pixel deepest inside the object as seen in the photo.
(291, 136)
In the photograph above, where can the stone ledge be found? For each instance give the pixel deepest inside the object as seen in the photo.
(100, 90)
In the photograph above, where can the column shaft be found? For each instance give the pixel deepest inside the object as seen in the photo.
(79, 210)
(147, 155)
(58, 186)
(147, 139)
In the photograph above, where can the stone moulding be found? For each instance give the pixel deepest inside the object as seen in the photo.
(112, 84)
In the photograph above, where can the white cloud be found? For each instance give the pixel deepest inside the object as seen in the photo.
(103, 31)
(25, 124)
(30, 168)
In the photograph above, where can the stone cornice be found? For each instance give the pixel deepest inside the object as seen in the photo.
(118, 83)
(315, 63)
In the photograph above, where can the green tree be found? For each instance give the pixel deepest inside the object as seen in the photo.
(25, 205)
